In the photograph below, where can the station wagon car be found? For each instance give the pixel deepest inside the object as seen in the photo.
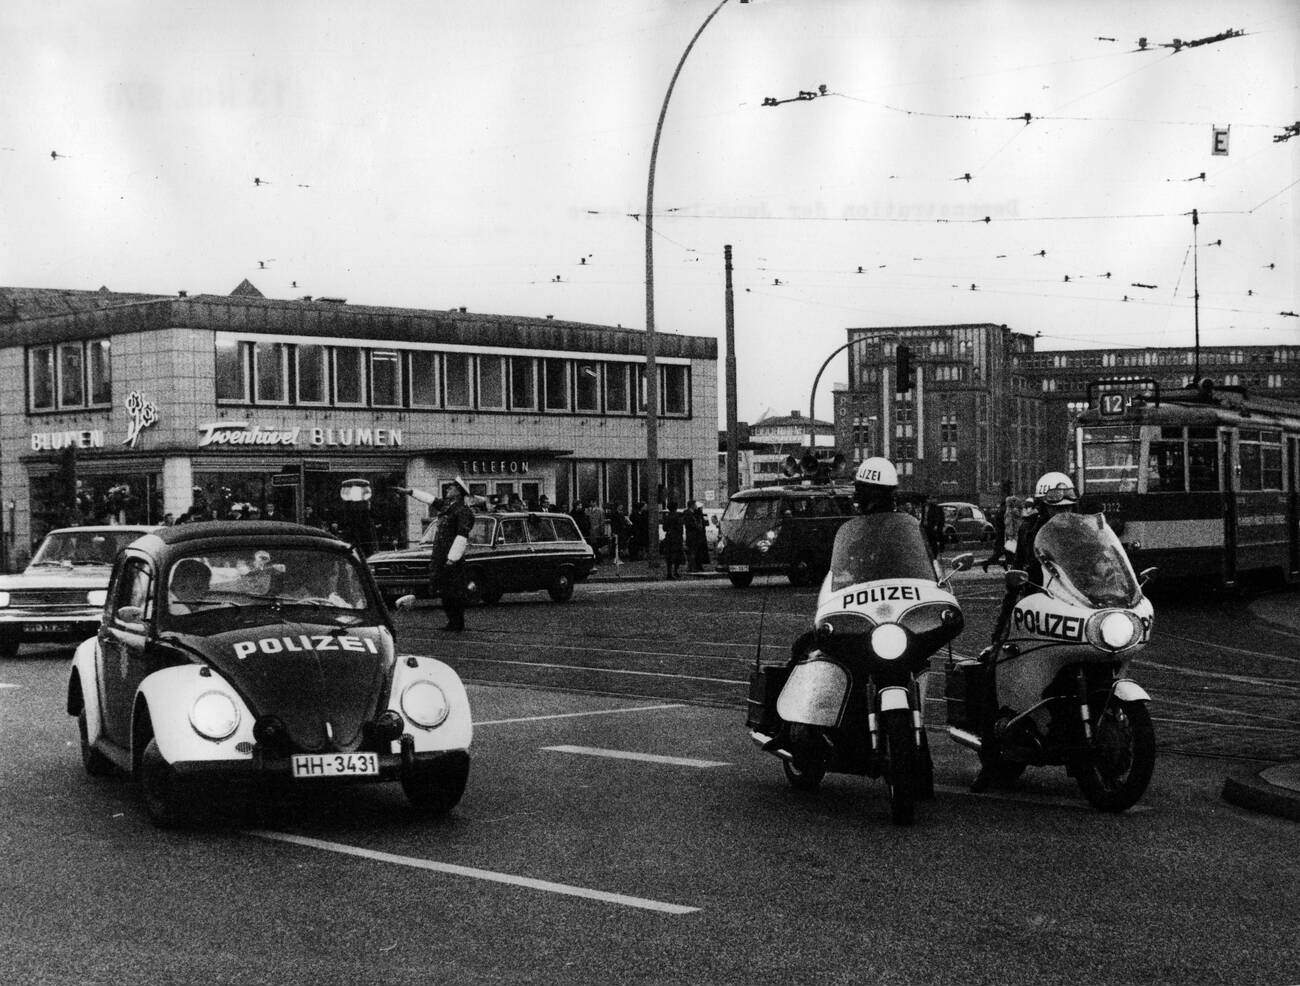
(508, 552)
(259, 652)
(59, 596)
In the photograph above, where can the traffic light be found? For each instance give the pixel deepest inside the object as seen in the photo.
(903, 368)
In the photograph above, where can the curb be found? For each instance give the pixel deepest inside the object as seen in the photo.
(1245, 788)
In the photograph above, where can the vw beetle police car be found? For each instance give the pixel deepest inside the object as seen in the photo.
(260, 651)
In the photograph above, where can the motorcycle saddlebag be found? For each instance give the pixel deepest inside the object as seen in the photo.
(968, 693)
(765, 685)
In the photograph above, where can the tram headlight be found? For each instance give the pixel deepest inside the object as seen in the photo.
(889, 641)
(1115, 630)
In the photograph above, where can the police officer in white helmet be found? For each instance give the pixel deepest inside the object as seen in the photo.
(875, 485)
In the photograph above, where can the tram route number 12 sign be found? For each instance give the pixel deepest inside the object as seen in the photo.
(1111, 404)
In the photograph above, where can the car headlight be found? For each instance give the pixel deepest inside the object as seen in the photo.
(766, 541)
(214, 715)
(1116, 629)
(4, 599)
(425, 704)
(96, 597)
(889, 641)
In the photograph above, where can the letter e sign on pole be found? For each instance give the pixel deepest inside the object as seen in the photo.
(1219, 141)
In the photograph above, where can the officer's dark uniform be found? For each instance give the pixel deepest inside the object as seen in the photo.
(447, 579)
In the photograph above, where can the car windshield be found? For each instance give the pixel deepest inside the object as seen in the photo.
(69, 548)
(271, 576)
(1084, 553)
(757, 509)
(880, 546)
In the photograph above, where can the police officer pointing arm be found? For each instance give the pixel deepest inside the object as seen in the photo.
(447, 576)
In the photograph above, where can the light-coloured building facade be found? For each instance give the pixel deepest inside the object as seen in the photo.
(136, 407)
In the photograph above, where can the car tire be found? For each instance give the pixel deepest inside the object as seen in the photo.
(562, 587)
(435, 791)
(9, 648)
(490, 594)
(163, 802)
(741, 580)
(96, 764)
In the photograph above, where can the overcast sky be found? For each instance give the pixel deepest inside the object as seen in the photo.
(435, 154)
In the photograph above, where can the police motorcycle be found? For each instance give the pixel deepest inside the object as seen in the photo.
(850, 700)
(1054, 690)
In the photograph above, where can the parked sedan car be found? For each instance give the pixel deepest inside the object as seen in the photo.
(60, 595)
(508, 552)
(259, 652)
(965, 522)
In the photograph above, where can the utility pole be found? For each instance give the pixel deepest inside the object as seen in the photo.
(733, 440)
(1196, 302)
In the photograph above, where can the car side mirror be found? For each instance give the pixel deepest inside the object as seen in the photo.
(962, 562)
(131, 614)
(1147, 574)
(1015, 578)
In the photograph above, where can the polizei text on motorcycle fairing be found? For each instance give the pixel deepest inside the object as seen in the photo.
(304, 642)
(880, 594)
(1048, 624)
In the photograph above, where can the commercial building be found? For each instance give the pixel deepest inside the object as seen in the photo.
(133, 407)
(986, 414)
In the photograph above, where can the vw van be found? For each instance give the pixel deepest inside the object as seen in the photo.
(782, 530)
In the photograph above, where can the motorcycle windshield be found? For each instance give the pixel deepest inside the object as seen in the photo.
(880, 546)
(1084, 553)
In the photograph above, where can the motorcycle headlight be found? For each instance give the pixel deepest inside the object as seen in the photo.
(96, 597)
(889, 641)
(424, 704)
(1115, 630)
(214, 715)
(4, 599)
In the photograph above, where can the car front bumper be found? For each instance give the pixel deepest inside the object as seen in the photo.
(32, 624)
(263, 768)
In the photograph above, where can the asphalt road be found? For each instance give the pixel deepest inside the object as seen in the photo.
(619, 827)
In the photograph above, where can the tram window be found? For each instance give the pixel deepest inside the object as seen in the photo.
(1248, 472)
(1165, 466)
(1202, 460)
(1111, 467)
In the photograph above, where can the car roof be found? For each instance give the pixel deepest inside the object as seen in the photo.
(773, 491)
(200, 530)
(104, 529)
(509, 514)
(958, 503)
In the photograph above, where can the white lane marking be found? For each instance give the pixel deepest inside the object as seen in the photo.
(575, 715)
(1238, 678)
(1294, 724)
(594, 751)
(477, 874)
(583, 667)
(1234, 650)
(536, 645)
(3, 685)
(1028, 799)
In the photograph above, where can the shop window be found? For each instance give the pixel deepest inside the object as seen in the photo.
(588, 386)
(677, 481)
(72, 378)
(100, 371)
(41, 383)
(491, 382)
(459, 369)
(555, 376)
(349, 376)
(588, 481)
(618, 395)
(523, 383)
(269, 368)
(674, 389)
(424, 378)
(313, 375)
(385, 378)
(231, 370)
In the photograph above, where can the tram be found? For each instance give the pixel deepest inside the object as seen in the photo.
(1202, 482)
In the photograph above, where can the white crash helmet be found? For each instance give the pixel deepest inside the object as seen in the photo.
(1055, 489)
(877, 471)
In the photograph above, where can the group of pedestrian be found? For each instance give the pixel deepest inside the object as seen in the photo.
(685, 539)
(1006, 529)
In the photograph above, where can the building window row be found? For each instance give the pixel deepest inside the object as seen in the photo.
(254, 372)
(69, 375)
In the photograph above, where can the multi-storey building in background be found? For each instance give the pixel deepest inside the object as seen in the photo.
(985, 413)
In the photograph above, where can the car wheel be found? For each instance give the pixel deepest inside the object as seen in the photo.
(562, 588)
(158, 787)
(436, 790)
(9, 648)
(96, 764)
(741, 580)
(490, 594)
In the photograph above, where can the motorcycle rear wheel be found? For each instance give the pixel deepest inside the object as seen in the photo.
(901, 771)
(1116, 770)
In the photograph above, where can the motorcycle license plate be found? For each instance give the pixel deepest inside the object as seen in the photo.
(309, 765)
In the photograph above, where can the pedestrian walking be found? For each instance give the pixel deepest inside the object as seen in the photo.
(673, 546)
(1005, 523)
(639, 546)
